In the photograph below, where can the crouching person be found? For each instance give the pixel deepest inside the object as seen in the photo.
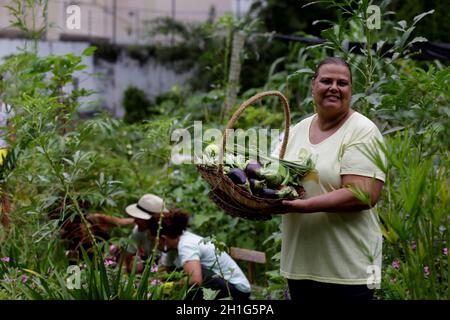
(140, 245)
(198, 259)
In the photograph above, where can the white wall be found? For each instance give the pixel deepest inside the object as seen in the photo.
(154, 79)
(151, 77)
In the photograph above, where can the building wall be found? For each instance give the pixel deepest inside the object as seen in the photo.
(114, 77)
(193, 10)
(119, 21)
(113, 21)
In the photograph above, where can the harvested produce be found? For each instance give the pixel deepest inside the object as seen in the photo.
(257, 185)
(253, 169)
(237, 175)
(239, 178)
(266, 177)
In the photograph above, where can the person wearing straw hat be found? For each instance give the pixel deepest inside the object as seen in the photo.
(140, 245)
(331, 244)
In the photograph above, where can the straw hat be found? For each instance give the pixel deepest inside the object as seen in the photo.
(147, 205)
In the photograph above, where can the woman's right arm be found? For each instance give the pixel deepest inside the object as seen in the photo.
(193, 269)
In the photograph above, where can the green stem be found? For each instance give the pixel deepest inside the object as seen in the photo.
(221, 273)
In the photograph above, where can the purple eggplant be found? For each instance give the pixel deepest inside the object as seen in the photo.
(285, 192)
(269, 193)
(238, 176)
(253, 170)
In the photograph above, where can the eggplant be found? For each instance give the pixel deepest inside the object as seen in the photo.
(253, 170)
(269, 193)
(285, 192)
(238, 176)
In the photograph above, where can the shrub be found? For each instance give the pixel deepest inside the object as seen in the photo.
(137, 106)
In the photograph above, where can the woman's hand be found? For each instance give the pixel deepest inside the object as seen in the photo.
(298, 205)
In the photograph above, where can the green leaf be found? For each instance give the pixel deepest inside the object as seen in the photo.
(418, 39)
(80, 67)
(312, 3)
(403, 24)
(357, 97)
(89, 51)
(209, 294)
(40, 150)
(420, 16)
(300, 72)
(200, 219)
(406, 36)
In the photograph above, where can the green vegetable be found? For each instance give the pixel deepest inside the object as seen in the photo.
(287, 192)
(212, 151)
(256, 185)
(274, 174)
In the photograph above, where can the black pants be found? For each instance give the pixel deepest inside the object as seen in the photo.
(308, 290)
(214, 282)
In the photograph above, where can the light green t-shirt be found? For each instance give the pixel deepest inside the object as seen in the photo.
(342, 247)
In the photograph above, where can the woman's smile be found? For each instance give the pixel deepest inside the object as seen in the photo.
(332, 90)
(333, 98)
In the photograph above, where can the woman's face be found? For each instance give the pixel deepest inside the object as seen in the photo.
(332, 91)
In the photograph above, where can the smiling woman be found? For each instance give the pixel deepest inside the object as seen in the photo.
(331, 238)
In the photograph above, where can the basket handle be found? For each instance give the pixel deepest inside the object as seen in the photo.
(245, 105)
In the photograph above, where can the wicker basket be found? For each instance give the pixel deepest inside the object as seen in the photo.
(231, 198)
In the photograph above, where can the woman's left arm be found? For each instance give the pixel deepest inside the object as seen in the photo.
(341, 199)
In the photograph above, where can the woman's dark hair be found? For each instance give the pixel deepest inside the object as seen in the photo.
(333, 60)
(173, 223)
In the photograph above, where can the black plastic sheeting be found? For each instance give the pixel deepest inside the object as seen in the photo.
(421, 50)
